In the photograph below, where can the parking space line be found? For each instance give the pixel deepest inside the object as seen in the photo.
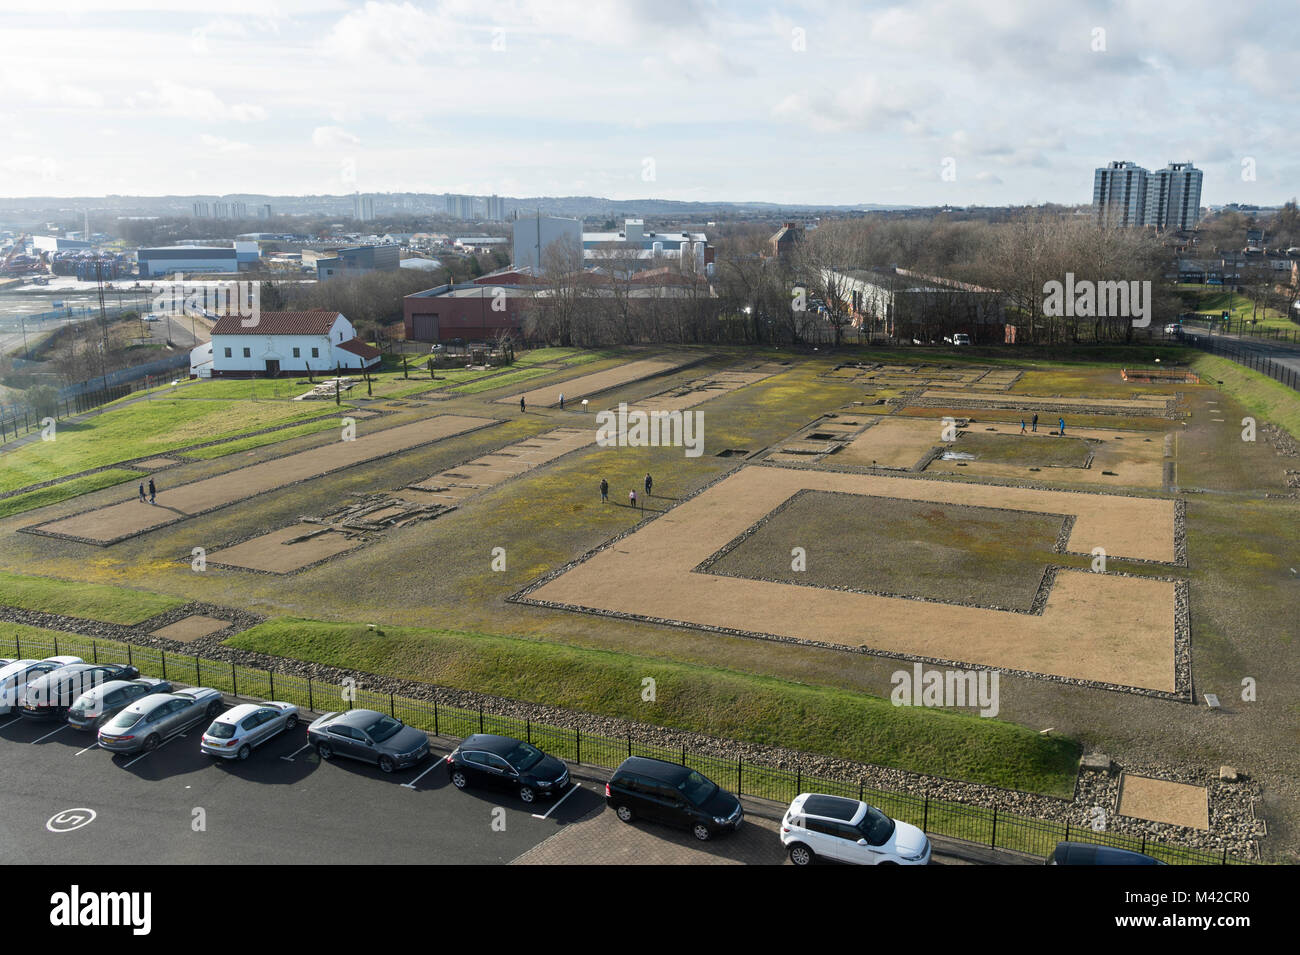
(94, 745)
(48, 735)
(411, 784)
(572, 789)
(10, 723)
(158, 747)
(290, 757)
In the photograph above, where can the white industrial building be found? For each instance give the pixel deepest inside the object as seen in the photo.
(292, 342)
(534, 236)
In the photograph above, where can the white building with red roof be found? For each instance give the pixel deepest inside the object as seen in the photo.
(277, 343)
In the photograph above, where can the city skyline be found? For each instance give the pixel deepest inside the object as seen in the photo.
(902, 104)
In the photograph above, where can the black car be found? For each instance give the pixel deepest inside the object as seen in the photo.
(51, 696)
(677, 795)
(507, 763)
(1085, 853)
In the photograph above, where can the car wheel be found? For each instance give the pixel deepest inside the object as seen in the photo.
(624, 813)
(386, 764)
(701, 832)
(459, 779)
(291, 722)
(324, 750)
(800, 854)
(526, 793)
(244, 751)
(151, 743)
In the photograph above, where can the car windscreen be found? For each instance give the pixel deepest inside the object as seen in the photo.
(524, 757)
(383, 728)
(876, 827)
(696, 788)
(221, 730)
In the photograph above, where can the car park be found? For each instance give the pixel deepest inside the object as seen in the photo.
(95, 707)
(50, 696)
(659, 791)
(849, 831)
(147, 723)
(506, 763)
(241, 729)
(1086, 853)
(15, 677)
(369, 736)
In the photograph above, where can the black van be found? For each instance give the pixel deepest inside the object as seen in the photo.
(644, 788)
(1085, 853)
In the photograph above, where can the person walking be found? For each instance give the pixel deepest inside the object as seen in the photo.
(1035, 424)
(142, 497)
(1062, 422)
(631, 498)
(604, 491)
(561, 401)
(153, 492)
(649, 483)
(523, 409)
(1022, 425)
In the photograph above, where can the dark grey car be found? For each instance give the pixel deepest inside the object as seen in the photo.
(369, 736)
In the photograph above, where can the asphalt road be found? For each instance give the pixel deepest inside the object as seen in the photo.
(64, 801)
(282, 805)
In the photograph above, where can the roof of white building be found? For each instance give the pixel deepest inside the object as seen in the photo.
(315, 322)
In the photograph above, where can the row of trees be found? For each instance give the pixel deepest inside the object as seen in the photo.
(996, 273)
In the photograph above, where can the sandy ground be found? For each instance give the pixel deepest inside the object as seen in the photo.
(1136, 458)
(108, 524)
(893, 443)
(270, 553)
(1160, 800)
(456, 484)
(1150, 404)
(576, 389)
(1098, 627)
(192, 628)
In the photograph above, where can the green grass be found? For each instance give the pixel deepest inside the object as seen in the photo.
(708, 700)
(502, 381)
(146, 428)
(68, 489)
(16, 635)
(1213, 302)
(1266, 399)
(261, 440)
(74, 599)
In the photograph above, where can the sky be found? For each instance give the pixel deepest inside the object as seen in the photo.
(923, 102)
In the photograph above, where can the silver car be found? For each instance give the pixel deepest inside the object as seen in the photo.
(96, 707)
(15, 676)
(237, 732)
(147, 723)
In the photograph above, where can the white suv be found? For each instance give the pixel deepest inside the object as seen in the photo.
(850, 831)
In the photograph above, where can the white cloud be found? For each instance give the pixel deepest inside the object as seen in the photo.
(332, 137)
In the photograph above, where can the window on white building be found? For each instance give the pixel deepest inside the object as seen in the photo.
(296, 353)
(315, 353)
(227, 352)
(248, 353)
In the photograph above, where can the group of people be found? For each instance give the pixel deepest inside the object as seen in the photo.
(631, 495)
(1060, 422)
(153, 492)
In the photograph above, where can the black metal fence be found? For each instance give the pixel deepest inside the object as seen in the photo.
(943, 817)
(1251, 359)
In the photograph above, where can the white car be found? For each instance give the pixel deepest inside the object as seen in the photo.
(15, 676)
(849, 831)
(959, 339)
(238, 731)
